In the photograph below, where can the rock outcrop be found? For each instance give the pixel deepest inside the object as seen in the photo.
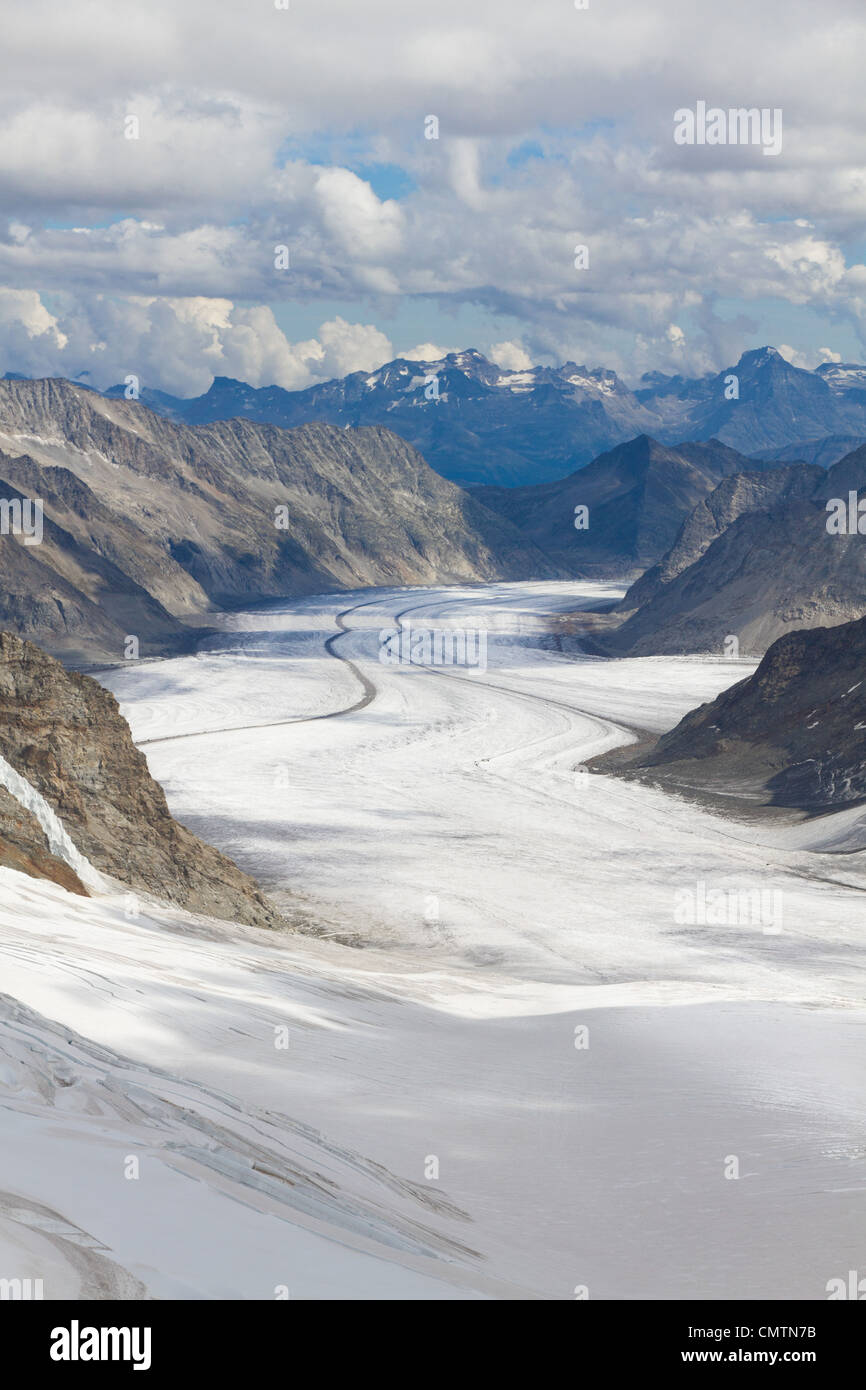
(792, 734)
(65, 734)
(24, 847)
(734, 497)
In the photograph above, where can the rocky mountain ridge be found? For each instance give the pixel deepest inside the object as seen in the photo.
(476, 422)
(63, 733)
(756, 558)
(150, 525)
(792, 735)
(635, 496)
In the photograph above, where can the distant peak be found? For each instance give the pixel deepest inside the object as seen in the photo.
(636, 452)
(758, 357)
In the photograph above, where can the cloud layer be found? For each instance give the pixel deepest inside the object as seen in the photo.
(153, 161)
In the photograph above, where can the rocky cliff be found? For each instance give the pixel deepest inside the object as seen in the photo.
(754, 560)
(793, 734)
(734, 497)
(64, 733)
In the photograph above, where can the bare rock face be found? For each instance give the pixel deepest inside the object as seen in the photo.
(734, 497)
(636, 497)
(23, 846)
(793, 734)
(149, 525)
(75, 592)
(65, 734)
(753, 561)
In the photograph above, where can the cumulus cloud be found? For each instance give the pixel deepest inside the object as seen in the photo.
(427, 352)
(31, 338)
(555, 128)
(808, 360)
(344, 347)
(359, 223)
(177, 345)
(24, 310)
(512, 357)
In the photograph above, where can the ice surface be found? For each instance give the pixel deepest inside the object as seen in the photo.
(507, 901)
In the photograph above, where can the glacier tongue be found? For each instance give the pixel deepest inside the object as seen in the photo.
(59, 842)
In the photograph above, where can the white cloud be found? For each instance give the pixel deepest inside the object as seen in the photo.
(247, 148)
(347, 347)
(793, 355)
(808, 360)
(427, 352)
(30, 337)
(177, 345)
(360, 224)
(24, 310)
(512, 357)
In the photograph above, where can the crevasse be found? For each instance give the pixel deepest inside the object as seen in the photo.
(59, 843)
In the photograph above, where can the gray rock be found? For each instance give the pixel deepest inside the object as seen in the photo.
(149, 523)
(638, 495)
(793, 734)
(66, 735)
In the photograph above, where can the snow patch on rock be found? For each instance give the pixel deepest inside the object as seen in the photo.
(59, 842)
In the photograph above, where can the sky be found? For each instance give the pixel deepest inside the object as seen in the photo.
(429, 171)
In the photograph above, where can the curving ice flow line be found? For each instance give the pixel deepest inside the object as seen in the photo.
(546, 700)
(367, 686)
(369, 689)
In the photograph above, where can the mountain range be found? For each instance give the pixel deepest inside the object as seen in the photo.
(159, 512)
(636, 497)
(755, 559)
(150, 525)
(475, 422)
